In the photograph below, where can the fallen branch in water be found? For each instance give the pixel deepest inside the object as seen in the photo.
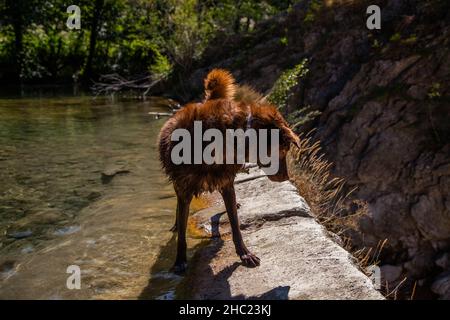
(157, 115)
(112, 83)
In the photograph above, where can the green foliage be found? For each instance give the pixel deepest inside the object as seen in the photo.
(241, 15)
(302, 116)
(189, 36)
(434, 91)
(161, 67)
(396, 37)
(314, 7)
(412, 39)
(281, 91)
(376, 44)
(131, 37)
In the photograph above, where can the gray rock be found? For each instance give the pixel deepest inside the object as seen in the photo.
(441, 285)
(418, 92)
(21, 234)
(27, 249)
(311, 40)
(67, 230)
(390, 273)
(437, 225)
(112, 170)
(444, 261)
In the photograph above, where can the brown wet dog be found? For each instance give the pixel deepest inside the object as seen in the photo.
(222, 109)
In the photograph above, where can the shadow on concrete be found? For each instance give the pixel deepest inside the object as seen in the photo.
(165, 285)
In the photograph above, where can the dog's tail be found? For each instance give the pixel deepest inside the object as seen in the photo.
(219, 84)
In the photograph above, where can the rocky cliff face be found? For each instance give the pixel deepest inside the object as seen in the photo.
(385, 117)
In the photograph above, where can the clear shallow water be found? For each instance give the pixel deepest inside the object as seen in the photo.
(56, 211)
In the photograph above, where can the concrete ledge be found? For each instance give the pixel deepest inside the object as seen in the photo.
(298, 258)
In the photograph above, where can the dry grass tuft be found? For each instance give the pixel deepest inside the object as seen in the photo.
(329, 199)
(396, 291)
(333, 206)
(310, 172)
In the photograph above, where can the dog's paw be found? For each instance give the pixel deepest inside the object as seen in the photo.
(250, 260)
(179, 268)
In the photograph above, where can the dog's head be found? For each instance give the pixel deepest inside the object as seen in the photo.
(268, 117)
(288, 138)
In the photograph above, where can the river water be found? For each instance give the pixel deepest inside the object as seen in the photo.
(56, 210)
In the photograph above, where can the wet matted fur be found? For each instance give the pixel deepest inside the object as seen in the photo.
(220, 110)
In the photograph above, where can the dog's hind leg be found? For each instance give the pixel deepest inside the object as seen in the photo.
(229, 197)
(174, 227)
(182, 218)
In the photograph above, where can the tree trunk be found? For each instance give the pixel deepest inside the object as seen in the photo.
(18, 46)
(16, 15)
(237, 20)
(98, 6)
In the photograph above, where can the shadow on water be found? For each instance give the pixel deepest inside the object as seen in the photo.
(178, 287)
(161, 279)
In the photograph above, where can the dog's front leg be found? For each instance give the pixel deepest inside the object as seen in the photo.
(248, 258)
(174, 227)
(181, 221)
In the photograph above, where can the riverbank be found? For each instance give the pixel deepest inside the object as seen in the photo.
(299, 259)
